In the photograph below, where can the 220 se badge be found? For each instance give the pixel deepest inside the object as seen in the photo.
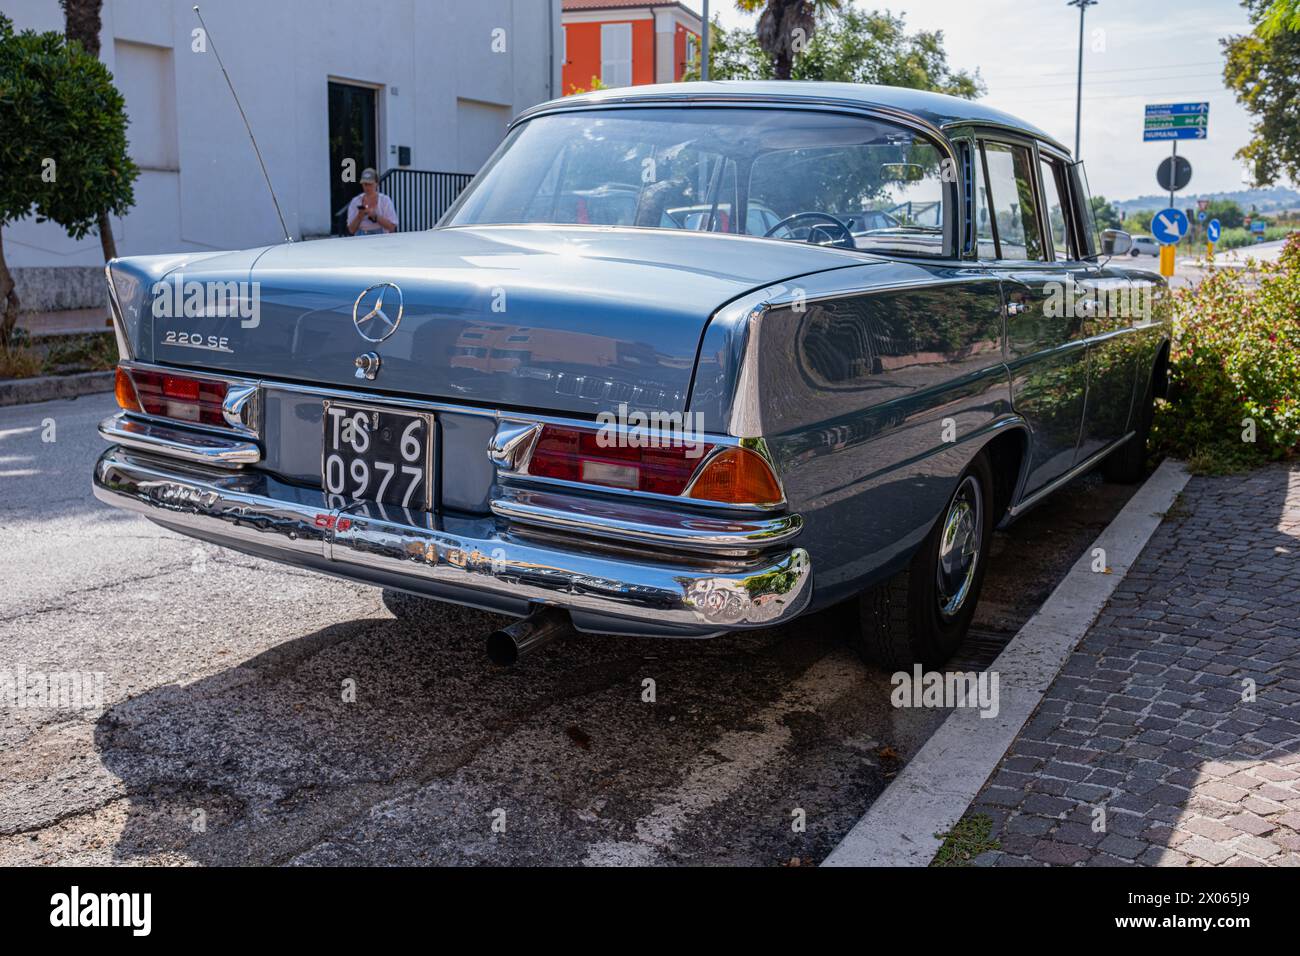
(850, 292)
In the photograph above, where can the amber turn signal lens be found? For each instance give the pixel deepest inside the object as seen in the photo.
(737, 476)
(125, 391)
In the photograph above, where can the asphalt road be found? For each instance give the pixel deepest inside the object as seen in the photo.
(224, 735)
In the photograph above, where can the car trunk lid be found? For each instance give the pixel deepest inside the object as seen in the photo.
(563, 319)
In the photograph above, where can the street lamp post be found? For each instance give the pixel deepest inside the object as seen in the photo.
(1083, 6)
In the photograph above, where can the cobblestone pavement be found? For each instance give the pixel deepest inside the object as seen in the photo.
(1172, 735)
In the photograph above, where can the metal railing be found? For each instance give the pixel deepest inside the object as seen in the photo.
(421, 196)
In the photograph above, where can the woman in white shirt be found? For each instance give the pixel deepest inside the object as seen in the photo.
(371, 213)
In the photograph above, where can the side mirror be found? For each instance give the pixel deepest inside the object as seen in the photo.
(1115, 242)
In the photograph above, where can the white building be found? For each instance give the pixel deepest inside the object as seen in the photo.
(429, 84)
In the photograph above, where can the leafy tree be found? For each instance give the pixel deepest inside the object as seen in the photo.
(1281, 15)
(1229, 214)
(1108, 217)
(63, 151)
(851, 46)
(81, 24)
(1263, 69)
(784, 27)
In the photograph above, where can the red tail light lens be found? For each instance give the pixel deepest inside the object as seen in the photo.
(575, 454)
(734, 476)
(178, 397)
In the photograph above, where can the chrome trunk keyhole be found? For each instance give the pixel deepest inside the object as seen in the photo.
(960, 543)
(368, 366)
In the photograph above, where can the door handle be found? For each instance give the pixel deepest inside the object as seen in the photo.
(1015, 308)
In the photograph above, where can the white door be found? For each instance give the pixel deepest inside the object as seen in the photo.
(616, 54)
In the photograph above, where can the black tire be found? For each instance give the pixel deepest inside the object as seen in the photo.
(1128, 463)
(902, 621)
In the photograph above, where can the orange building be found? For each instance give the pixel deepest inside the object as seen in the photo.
(627, 42)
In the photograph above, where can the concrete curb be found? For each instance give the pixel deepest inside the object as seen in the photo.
(47, 388)
(933, 791)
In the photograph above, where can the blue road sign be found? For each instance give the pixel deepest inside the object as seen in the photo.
(1212, 231)
(1173, 121)
(1169, 226)
(1173, 132)
(1176, 109)
(1200, 216)
(1257, 226)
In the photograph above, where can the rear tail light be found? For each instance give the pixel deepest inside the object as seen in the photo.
(125, 391)
(178, 397)
(732, 476)
(737, 476)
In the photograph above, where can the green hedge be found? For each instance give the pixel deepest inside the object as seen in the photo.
(1240, 238)
(1235, 366)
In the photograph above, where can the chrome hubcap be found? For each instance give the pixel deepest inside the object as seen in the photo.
(960, 543)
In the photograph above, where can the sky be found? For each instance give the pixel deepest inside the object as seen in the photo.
(1135, 52)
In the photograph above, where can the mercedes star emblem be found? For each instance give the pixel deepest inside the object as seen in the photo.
(376, 324)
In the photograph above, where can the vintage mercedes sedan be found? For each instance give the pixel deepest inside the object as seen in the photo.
(681, 360)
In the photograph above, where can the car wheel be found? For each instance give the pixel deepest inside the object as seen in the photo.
(1135, 253)
(921, 615)
(1128, 463)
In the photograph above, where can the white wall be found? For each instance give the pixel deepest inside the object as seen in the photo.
(443, 91)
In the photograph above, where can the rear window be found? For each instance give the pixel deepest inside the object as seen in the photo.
(789, 175)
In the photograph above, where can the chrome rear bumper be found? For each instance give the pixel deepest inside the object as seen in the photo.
(482, 562)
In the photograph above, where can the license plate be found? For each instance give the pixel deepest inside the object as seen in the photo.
(377, 454)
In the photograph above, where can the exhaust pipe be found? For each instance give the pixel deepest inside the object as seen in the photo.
(506, 646)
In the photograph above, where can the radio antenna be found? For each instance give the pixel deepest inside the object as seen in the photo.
(244, 117)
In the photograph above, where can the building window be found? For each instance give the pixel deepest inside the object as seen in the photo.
(616, 54)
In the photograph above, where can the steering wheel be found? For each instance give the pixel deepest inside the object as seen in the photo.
(827, 220)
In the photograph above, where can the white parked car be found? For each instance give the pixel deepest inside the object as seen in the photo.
(1144, 246)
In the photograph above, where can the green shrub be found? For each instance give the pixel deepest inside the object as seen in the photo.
(1235, 365)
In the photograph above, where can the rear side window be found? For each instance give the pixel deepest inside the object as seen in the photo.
(1062, 246)
(1015, 211)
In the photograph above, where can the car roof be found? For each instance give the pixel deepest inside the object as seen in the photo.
(936, 109)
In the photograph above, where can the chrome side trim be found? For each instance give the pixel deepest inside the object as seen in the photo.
(201, 447)
(512, 443)
(242, 409)
(471, 561)
(1025, 504)
(115, 309)
(656, 527)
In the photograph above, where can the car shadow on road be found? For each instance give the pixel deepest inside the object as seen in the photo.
(265, 760)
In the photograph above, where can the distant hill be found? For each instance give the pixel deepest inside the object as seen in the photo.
(1264, 200)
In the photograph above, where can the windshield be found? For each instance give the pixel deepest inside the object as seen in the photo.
(794, 175)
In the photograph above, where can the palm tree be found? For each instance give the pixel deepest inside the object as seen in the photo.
(81, 22)
(782, 24)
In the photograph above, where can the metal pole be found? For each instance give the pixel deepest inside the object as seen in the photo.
(1083, 6)
(1173, 174)
(704, 45)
